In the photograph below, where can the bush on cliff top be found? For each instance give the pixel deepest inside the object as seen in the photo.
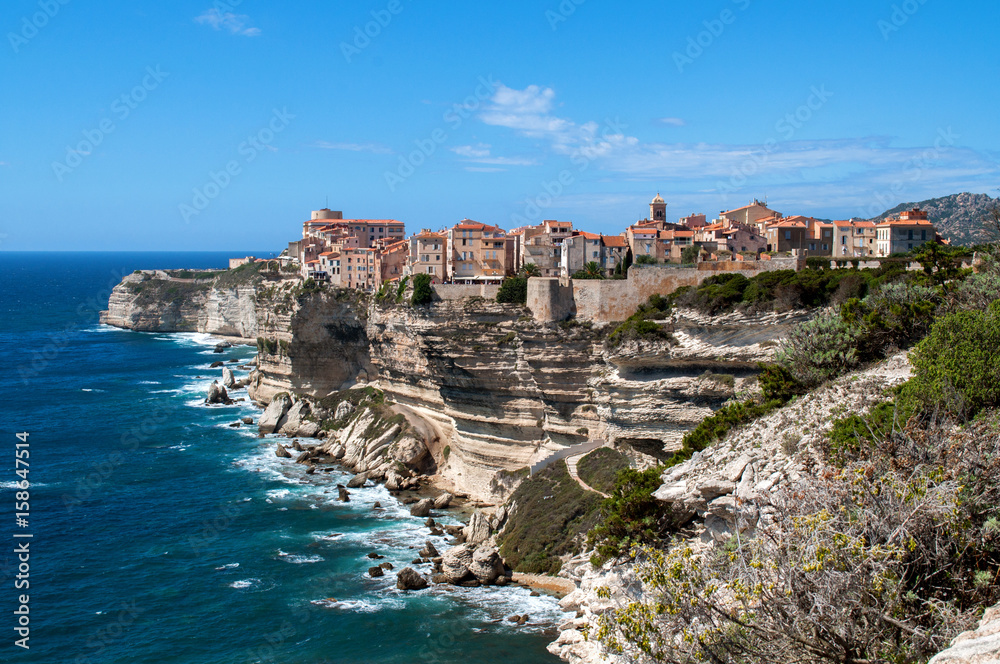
(642, 324)
(422, 291)
(513, 290)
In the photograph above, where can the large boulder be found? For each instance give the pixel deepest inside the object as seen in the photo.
(358, 481)
(410, 579)
(274, 415)
(308, 429)
(228, 379)
(429, 550)
(478, 530)
(443, 501)
(295, 418)
(411, 452)
(486, 565)
(282, 453)
(455, 563)
(422, 508)
(217, 394)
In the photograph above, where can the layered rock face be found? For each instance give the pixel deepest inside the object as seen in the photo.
(147, 304)
(496, 386)
(486, 386)
(311, 344)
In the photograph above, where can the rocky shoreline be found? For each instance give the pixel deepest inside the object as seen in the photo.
(385, 453)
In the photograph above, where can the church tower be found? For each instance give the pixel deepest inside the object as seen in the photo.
(658, 209)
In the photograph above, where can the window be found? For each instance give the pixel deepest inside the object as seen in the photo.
(594, 254)
(812, 246)
(843, 239)
(438, 257)
(923, 234)
(430, 269)
(788, 235)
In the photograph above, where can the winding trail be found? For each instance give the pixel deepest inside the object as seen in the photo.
(571, 465)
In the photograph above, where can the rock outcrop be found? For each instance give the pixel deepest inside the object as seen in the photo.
(714, 492)
(979, 646)
(151, 303)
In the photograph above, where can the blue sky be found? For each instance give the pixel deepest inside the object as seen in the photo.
(198, 125)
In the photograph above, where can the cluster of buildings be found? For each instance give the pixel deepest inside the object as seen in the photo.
(364, 253)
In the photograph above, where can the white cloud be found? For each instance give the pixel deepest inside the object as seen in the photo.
(373, 148)
(673, 122)
(830, 168)
(234, 23)
(480, 154)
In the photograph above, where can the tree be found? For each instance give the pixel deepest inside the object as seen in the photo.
(591, 270)
(530, 270)
(422, 292)
(513, 290)
(690, 254)
(645, 259)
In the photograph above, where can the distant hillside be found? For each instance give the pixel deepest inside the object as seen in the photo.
(958, 217)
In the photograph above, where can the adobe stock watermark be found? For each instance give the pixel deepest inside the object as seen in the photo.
(454, 117)
(900, 15)
(714, 28)
(32, 25)
(249, 150)
(785, 128)
(562, 13)
(913, 171)
(550, 190)
(122, 107)
(363, 35)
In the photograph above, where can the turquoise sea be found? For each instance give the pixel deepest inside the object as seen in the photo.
(162, 535)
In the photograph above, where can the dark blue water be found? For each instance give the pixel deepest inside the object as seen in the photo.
(160, 534)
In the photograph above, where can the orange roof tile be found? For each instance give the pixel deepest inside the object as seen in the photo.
(613, 241)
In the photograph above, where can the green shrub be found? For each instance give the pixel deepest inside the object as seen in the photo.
(957, 367)
(690, 254)
(631, 516)
(820, 349)
(641, 325)
(422, 291)
(778, 383)
(715, 427)
(646, 260)
(513, 290)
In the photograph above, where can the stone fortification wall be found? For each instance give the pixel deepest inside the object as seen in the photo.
(607, 300)
(459, 291)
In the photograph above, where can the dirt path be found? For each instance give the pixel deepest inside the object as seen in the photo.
(571, 465)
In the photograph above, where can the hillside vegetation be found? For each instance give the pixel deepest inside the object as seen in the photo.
(893, 548)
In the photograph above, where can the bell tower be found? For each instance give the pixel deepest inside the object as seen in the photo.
(658, 209)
